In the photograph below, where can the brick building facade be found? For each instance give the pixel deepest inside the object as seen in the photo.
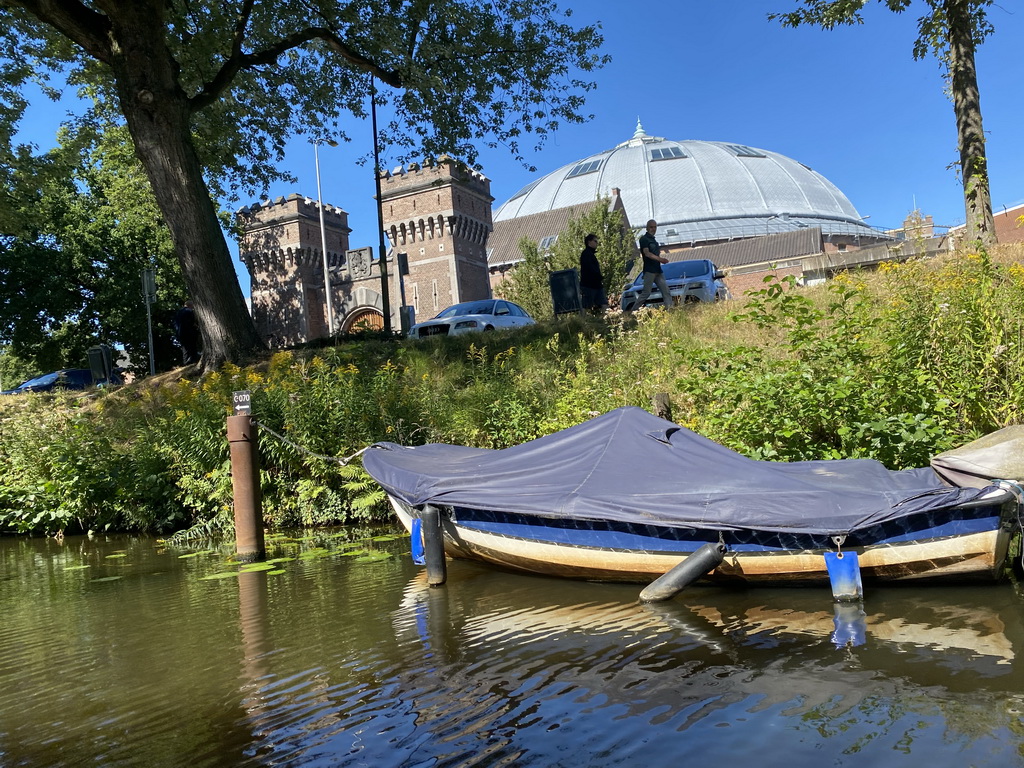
(1009, 228)
(438, 214)
(282, 249)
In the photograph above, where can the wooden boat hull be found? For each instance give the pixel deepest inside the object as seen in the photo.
(967, 543)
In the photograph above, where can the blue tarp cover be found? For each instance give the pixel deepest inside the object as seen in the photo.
(630, 466)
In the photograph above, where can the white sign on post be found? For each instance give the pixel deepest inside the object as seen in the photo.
(242, 402)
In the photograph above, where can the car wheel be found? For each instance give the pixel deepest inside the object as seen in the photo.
(488, 327)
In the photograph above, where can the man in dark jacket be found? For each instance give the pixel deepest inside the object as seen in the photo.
(591, 284)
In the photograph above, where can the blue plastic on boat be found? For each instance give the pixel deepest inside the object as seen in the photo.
(844, 573)
(850, 624)
(418, 556)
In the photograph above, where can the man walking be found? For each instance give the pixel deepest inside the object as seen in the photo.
(653, 275)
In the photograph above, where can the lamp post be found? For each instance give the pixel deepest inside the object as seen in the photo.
(323, 236)
(149, 296)
(385, 293)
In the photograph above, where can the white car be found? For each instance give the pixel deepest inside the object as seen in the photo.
(482, 315)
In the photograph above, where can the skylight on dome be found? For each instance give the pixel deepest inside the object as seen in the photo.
(741, 151)
(666, 153)
(584, 168)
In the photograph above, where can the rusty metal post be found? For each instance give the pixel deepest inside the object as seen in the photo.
(245, 484)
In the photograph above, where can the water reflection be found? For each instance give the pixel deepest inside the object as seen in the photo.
(713, 659)
(336, 662)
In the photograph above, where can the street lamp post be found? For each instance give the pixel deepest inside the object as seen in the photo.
(149, 296)
(323, 237)
(385, 293)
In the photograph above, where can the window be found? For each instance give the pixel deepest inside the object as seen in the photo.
(666, 153)
(526, 190)
(741, 151)
(584, 168)
(547, 242)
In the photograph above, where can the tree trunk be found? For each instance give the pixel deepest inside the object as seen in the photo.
(970, 137)
(158, 115)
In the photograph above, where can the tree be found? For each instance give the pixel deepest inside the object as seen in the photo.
(82, 225)
(951, 29)
(219, 85)
(527, 284)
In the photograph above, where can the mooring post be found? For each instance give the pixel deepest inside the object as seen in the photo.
(433, 546)
(245, 482)
(662, 406)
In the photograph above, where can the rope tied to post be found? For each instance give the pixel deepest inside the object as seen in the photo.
(302, 449)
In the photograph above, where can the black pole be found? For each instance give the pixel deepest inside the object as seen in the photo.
(433, 546)
(385, 293)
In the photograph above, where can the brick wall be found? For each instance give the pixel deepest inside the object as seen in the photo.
(440, 215)
(754, 281)
(283, 252)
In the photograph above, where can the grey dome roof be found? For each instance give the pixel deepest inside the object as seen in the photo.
(698, 191)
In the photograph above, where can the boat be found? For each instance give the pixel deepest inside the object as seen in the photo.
(628, 496)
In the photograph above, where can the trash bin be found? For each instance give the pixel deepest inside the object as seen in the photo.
(565, 291)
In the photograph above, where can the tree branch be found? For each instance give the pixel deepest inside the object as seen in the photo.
(80, 24)
(239, 61)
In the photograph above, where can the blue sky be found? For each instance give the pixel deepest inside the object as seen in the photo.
(852, 104)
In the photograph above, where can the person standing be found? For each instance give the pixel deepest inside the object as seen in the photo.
(591, 283)
(186, 330)
(653, 275)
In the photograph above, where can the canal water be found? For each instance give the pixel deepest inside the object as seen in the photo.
(126, 651)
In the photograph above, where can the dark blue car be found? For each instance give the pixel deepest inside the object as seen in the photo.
(66, 378)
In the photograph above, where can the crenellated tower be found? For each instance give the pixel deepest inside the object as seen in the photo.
(282, 249)
(440, 215)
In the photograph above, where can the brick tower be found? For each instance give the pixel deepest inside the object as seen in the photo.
(440, 215)
(281, 247)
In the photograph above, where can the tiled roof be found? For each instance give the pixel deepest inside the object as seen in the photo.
(757, 250)
(503, 242)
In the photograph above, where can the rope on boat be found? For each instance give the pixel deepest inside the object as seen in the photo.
(301, 449)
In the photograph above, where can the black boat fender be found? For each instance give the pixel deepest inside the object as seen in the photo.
(670, 584)
(433, 545)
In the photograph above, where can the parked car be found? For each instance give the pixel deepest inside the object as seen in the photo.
(66, 378)
(482, 315)
(689, 282)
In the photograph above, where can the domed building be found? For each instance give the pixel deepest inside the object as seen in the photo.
(700, 193)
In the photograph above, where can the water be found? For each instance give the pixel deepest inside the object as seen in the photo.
(344, 659)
